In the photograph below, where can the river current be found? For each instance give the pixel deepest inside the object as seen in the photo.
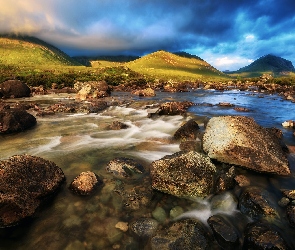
(83, 142)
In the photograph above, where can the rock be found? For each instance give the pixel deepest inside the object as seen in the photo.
(85, 183)
(287, 124)
(144, 92)
(175, 212)
(185, 234)
(242, 180)
(92, 89)
(159, 214)
(123, 226)
(14, 89)
(26, 181)
(143, 227)
(241, 141)
(184, 174)
(123, 167)
(225, 104)
(289, 193)
(188, 131)
(225, 180)
(257, 203)
(15, 120)
(117, 125)
(260, 235)
(174, 108)
(191, 145)
(290, 211)
(284, 202)
(224, 232)
(241, 109)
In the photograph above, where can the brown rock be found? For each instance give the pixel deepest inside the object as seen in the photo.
(85, 183)
(14, 89)
(188, 131)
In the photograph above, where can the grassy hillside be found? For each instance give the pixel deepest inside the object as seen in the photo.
(165, 65)
(31, 52)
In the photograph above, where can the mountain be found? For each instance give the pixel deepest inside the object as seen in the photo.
(177, 66)
(31, 51)
(267, 64)
(86, 60)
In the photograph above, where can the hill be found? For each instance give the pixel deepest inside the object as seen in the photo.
(268, 64)
(90, 60)
(30, 51)
(162, 64)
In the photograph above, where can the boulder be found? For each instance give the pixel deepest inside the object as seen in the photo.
(92, 89)
(188, 131)
(224, 232)
(261, 235)
(85, 183)
(174, 108)
(15, 120)
(144, 92)
(14, 89)
(117, 125)
(241, 141)
(257, 203)
(185, 234)
(26, 181)
(184, 174)
(123, 167)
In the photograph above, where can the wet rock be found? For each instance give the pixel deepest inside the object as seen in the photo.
(184, 234)
(225, 104)
(241, 109)
(191, 145)
(257, 203)
(143, 227)
(176, 211)
(85, 183)
(188, 131)
(144, 92)
(15, 120)
(123, 226)
(242, 180)
(225, 180)
(224, 231)
(241, 141)
(159, 214)
(289, 193)
(92, 89)
(284, 202)
(184, 174)
(290, 211)
(14, 89)
(117, 125)
(26, 181)
(174, 108)
(123, 167)
(260, 235)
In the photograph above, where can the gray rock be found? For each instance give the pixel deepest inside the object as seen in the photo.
(25, 182)
(241, 141)
(184, 174)
(185, 235)
(143, 227)
(85, 183)
(257, 203)
(260, 235)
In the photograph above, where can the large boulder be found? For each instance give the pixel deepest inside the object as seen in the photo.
(185, 234)
(14, 89)
(184, 174)
(25, 181)
(188, 131)
(15, 120)
(241, 141)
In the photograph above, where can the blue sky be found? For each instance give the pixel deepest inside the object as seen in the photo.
(228, 34)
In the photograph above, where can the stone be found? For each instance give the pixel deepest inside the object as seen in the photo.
(92, 89)
(174, 108)
(184, 174)
(257, 203)
(185, 234)
(123, 167)
(261, 235)
(191, 145)
(14, 89)
(224, 232)
(239, 140)
(144, 227)
(290, 211)
(25, 182)
(144, 92)
(225, 180)
(176, 211)
(117, 125)
(159, 214)
(15, 120)
(123, 226)
(242, 180)
(85, 183)
(188, 131)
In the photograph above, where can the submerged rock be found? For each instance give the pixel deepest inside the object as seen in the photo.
(185, 234)
(25, 181)
(15, 120)
(85, 183)
(257, 203)
(184, 174)
(241, 141)
(260, 235)
(143, 227)
(14, 89)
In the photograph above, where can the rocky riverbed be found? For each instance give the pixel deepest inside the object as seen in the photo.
(169, 171)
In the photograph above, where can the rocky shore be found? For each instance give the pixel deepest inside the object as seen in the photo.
(213, 160)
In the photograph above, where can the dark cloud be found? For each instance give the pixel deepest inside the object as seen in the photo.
(215, 30)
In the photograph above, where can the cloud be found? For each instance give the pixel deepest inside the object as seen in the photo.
(245, 29)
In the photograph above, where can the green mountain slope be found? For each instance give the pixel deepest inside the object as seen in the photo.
(268, 64)
(29, 51)
(162, 64)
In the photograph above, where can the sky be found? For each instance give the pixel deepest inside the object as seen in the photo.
(228, 34)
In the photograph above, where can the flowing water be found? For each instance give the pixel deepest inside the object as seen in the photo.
(82, 142)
